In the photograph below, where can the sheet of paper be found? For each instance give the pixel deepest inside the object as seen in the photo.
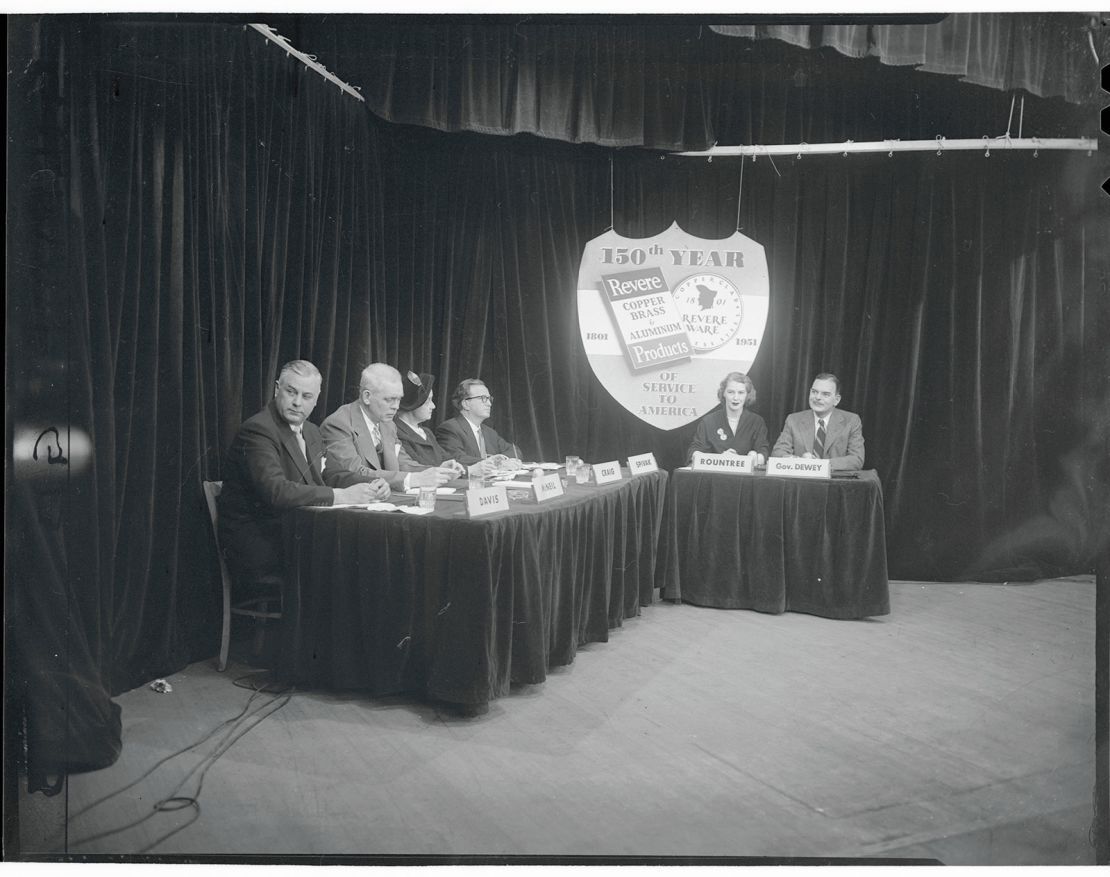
(367, 506)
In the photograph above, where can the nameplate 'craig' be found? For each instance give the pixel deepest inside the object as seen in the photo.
(642, 464)
(487, 501)
(797, 467)
(731, 463)
(548, 487)
(606, 472)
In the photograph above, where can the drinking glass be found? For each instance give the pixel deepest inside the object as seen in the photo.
(582, 473)
(427, 498)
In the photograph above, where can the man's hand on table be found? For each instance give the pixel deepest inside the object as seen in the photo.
(359, 494)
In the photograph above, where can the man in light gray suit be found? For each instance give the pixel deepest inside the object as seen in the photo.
(823, 432)
(360, 437)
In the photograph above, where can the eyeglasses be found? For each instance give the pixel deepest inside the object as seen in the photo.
(483, 398)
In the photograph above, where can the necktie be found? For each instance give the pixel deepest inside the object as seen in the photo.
(377, 434)
(481, 444)
(300, 440)
(819, 440)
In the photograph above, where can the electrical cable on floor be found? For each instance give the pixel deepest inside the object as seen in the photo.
(234, 731)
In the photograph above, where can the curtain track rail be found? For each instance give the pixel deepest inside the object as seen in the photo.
(939, 145)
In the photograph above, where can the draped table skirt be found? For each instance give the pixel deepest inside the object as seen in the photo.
(776, 544)
(459, 608)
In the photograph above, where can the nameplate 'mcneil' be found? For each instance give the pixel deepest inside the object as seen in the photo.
(487, 501)
(734, 464)
(548, 487)
(642, 464)
(796, 467)
(606, 472)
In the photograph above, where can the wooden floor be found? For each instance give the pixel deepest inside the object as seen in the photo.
(959, 728)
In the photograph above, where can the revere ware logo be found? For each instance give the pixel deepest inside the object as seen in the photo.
(663, 319)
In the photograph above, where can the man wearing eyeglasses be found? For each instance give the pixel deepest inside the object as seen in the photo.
(466, 437)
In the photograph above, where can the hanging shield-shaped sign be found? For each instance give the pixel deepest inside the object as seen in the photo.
(663, 319)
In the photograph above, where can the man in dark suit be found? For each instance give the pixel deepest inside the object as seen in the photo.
(274, 465)
(361, 440)
(823, 432)
(466, 437)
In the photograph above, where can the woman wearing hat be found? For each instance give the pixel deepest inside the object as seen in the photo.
(416, 407)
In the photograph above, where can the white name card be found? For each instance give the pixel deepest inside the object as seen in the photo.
(606, 472)
(487, 501)
(732, 463)
(548, 487)
(641, 464)
(796, 467)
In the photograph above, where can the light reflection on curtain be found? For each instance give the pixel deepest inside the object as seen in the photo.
(1047, 54)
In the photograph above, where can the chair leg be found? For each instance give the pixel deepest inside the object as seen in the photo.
(260, 630)
(225, 631)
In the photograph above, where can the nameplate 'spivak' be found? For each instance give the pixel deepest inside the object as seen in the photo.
(663, 319)
(606, 472)
(548, 487)
(796, 467)
(487, 501)
(731, 463)
(642, 464)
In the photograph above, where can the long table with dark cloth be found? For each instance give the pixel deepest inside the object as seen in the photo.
(458, 608)
(776, 544)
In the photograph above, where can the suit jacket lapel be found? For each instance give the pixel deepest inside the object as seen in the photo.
(364, 441)
(314, 447)
(809, 432)
(469, 441)
(389, 446)
(834, 430)
(289, 442)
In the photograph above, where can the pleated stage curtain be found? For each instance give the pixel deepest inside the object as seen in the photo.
(189, 208)
(679, 85)
(1046, 54)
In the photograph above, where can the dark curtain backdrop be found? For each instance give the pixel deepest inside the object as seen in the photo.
(674, 85)
(194, 207)
(1048, 54)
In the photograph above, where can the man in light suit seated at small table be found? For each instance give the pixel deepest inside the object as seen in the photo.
(823, 432)
(360, 437)
(466, 436)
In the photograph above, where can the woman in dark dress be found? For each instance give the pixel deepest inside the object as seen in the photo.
(416, 407)
(732, 428)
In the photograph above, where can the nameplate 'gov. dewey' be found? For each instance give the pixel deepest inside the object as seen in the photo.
(606, 472)
(548, 487)
(796, 467)
(663, 318)
(642, 464)
(731, 463)
(487, 501)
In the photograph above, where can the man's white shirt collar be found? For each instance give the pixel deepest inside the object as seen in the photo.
(373, 427)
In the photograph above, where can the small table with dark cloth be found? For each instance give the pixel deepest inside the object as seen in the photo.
(458, 608)
(776, 544)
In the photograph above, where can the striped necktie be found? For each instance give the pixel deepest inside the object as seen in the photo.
(819, 440)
